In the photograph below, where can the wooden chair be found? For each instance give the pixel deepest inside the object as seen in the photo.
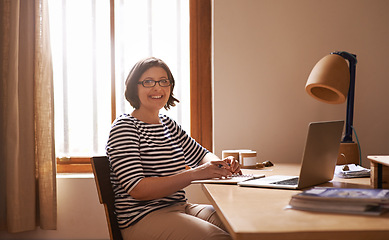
(100, 166)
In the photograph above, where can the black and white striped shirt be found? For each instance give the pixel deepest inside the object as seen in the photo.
(137, 150)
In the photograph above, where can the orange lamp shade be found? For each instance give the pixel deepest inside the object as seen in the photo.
(329, 80)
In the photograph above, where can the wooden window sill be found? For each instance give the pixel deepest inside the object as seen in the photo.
(74, 165)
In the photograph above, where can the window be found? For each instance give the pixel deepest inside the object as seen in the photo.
(85, 98)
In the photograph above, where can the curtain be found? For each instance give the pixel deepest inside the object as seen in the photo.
(27, 155)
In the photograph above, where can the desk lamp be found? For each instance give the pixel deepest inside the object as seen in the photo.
(332, 81)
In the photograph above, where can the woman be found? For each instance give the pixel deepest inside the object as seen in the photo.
(148, 153)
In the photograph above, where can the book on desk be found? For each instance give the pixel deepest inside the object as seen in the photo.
(342, 200)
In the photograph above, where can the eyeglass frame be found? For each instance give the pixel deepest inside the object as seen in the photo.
(155, 82)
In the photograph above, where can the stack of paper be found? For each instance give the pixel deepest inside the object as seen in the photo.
(351, 171)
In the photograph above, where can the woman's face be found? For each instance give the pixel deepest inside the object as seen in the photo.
(153, 98)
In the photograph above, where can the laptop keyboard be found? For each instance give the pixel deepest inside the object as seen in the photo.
(291, 181)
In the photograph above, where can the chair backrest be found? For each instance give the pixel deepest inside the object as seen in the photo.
(101, 170)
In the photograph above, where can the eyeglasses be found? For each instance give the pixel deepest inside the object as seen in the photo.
(151, 83)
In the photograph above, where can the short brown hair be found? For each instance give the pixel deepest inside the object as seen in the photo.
(131, 92)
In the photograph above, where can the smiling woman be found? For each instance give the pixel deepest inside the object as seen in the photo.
(148, 153)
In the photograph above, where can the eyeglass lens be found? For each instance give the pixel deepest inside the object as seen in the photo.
(151, 83)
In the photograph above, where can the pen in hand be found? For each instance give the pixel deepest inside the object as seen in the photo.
(220, 165)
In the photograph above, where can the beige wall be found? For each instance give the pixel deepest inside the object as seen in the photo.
(264, 51)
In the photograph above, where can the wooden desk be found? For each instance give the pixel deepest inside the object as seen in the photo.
(258, 213)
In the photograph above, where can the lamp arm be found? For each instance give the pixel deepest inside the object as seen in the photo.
(352, 58)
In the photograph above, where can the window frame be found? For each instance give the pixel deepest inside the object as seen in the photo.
(200, 82)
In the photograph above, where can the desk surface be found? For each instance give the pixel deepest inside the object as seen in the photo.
(384, 160)
(259, 213)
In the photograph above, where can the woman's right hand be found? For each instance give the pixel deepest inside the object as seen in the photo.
(212, 169)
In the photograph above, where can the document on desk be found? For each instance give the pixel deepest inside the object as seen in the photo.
(351, 171)
(235, 179)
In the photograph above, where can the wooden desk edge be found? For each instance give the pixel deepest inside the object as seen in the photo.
(380, 159)
(219, 211)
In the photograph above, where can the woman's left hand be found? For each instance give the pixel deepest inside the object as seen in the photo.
(234, 165)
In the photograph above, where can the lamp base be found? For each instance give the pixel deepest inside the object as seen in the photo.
(348, 153)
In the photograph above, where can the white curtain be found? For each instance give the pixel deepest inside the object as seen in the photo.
(27, 154)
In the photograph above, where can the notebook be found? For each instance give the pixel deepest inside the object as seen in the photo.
(318, 161)
(235, 179)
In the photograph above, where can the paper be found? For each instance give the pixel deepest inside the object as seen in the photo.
(351, 171)
(231, 180)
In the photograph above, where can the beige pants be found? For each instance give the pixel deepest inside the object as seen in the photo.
(182, 221)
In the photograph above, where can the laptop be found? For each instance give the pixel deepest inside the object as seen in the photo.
(318, 162)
